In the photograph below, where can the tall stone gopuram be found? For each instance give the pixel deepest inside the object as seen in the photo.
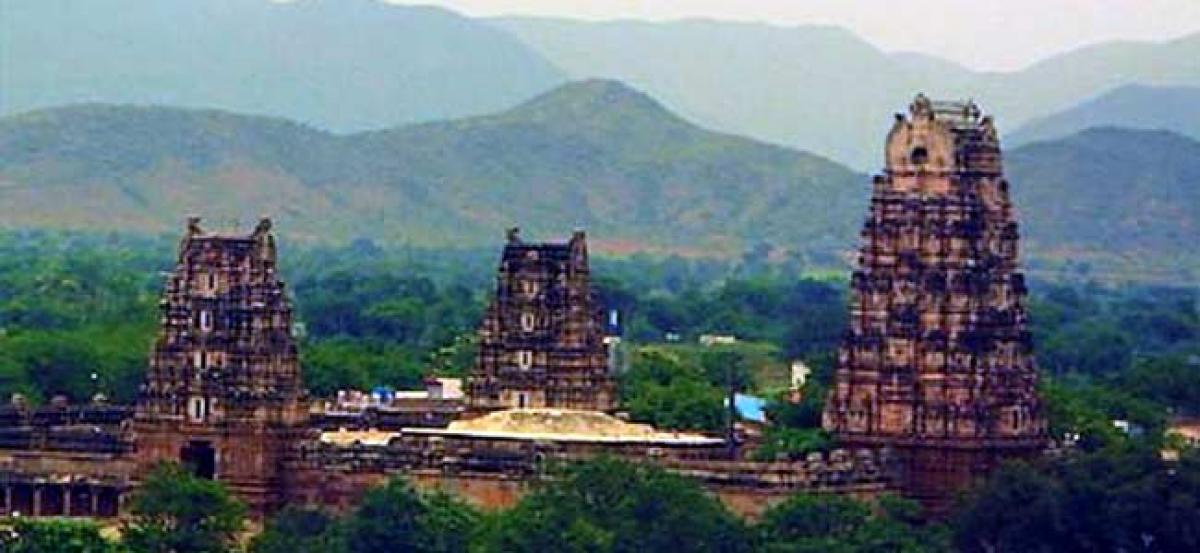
(541, 344)
(223, 394)
(937, 362)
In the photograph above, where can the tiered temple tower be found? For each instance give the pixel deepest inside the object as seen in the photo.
(223, 393)
(541, 341)
(937, 361)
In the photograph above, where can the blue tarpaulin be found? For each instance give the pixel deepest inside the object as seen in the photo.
(750, 407)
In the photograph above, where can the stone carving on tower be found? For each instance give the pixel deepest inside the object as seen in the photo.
(937, 361)
(541, 341)
(223, 394)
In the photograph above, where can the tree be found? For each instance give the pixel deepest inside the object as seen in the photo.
(1019, 510)
(396, 517)
(724, 368)
(1123, 497)
(805, 414)
(1087, 410)
(681, 405)
(299, 530)
(56, 363)
(176, 512)
(660, 389)
(818, 523)
(1171, 380)
(54, 536)
(610, 505)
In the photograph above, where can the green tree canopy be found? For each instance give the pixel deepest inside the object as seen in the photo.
(176, 512)
(55, 536)
(1124, 497)
(608, 505)
(829, 523)
(300, 530)
(396, 517)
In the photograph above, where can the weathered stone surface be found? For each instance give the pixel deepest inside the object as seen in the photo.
(223, 392)
(937, 361)
(541, 342)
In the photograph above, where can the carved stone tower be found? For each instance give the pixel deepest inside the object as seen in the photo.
(541, 342)
(937, 361)
(223, 394)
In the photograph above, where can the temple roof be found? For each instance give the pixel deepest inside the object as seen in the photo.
(958, 113)
(563, 425)
(343, 437)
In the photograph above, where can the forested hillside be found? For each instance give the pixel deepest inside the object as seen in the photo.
(596, 155)
(1112, 204)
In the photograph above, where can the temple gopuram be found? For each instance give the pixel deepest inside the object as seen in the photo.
(937, 363)
(541, 342)
(223, 392)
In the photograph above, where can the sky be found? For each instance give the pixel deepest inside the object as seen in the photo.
(998, 35)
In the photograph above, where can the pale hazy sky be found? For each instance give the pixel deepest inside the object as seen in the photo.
(982, 34)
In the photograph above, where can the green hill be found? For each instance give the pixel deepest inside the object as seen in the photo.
(1114, 203)
(594, 154)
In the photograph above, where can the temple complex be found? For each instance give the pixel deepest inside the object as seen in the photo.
(223, 393)
(937, 362)
(541, 343)
(934, 386)
(223, 396)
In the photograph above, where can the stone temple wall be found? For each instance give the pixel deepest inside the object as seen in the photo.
(496, 473)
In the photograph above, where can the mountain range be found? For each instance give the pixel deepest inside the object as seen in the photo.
(824, 89)
(356, 65)
(595, 154)
(343, 65)
(1170, 108)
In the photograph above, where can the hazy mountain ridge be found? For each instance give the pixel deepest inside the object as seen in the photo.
(343, 65)
(1175, 109)
(824, 89)
(350, 65)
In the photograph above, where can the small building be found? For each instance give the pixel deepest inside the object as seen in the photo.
(710, 340)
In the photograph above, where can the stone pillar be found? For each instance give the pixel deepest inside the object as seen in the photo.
(37, 500)
(7, 501)
(66, 499)
(95, 500)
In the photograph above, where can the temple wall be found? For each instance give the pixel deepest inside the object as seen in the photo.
(493, 478)
(64, 483)
(342, 490)
(751, 503)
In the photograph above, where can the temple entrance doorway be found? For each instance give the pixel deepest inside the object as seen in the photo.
(201, 458)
